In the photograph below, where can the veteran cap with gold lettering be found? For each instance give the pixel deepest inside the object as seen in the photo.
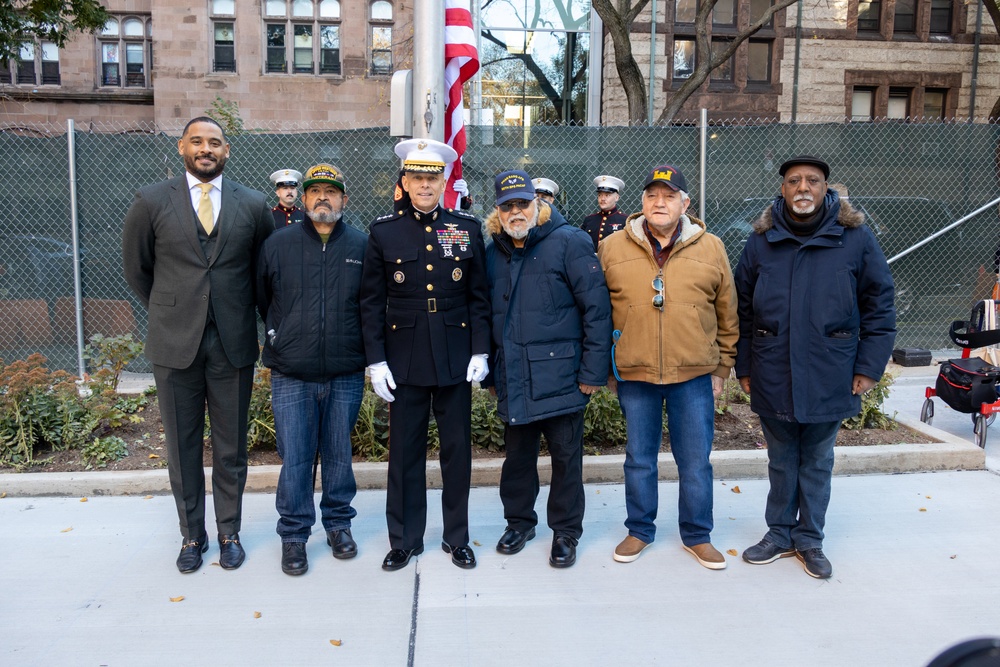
(668, 175)
(425, 155)
(324, 173)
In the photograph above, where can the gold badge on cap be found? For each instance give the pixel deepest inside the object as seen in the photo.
(398, 276)
(422, 145)
(456, 275)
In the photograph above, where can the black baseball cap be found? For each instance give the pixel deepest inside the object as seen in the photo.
(804, 159)
(668, 175)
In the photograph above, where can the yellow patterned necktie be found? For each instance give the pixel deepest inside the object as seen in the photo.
(205, 214)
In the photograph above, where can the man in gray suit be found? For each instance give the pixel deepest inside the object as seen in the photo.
(189, 246)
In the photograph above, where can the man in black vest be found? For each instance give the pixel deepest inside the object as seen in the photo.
(189, 248)
(425, 311)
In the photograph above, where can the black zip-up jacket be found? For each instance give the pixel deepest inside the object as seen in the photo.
(308, 294)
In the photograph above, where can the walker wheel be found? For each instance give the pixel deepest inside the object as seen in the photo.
(982, 426)
(927, 411)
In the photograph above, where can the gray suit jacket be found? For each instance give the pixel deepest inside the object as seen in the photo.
(165, 266)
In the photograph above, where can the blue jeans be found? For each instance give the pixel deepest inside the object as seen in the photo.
(311, 416)
(691, 421)
(800, 469)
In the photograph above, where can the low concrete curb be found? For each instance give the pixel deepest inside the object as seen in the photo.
(951, 453)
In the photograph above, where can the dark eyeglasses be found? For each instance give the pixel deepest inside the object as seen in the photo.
(520, 204)
(658, 297)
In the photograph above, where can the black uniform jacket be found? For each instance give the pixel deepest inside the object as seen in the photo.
(602, 224)
(424, 297)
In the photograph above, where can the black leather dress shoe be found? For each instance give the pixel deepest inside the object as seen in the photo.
(231, 553)
(513, 541)
(563, 551)
(293, 558)
(397, 559)
(342, 543)
(189, 559)
(460, 556)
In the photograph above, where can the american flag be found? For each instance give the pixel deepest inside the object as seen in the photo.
(461, 62)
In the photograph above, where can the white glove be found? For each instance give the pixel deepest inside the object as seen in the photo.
(382, 380)
(478, 368)
(461, 187)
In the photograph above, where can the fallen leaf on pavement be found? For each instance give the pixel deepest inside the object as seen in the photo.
(177, 599)
(736, 489)
(66, 530)
(3, 495)
(83, 500)
(732, 552)
(336, 642)
(927, 497)
(256, 614)
(154, 456)
(923, 509)
(477, 543)
(953, 557)
(148, 498)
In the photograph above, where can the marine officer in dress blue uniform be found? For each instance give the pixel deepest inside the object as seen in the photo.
(608, 219)
(286, 187)
(425, 314)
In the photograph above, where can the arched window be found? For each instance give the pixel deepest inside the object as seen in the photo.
(125, 50)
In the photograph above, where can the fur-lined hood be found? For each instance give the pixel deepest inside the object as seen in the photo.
(848, 217)
(493, 227)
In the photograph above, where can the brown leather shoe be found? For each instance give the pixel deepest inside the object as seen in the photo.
(629, 549)
(707, 555)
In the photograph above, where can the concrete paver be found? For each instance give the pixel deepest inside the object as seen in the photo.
(913, 557)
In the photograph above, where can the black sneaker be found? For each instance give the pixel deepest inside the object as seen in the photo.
(815, 563)
(765, 552)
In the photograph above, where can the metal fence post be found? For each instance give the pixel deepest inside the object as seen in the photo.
(702, 163)
(75, 229)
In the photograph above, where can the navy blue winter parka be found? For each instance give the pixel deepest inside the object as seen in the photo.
(550, 319)
(814, 312)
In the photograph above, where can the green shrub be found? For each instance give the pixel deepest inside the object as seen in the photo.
(603, 422)
(487, 427)
(37, 406)
(370, 438)
(871, 415)
(111, 354)
(99, 452)
(731, 393)
(260, 423)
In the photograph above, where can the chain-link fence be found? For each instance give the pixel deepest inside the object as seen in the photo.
(910, 179)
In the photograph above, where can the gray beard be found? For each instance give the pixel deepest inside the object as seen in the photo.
(326, 216)
(523, 234)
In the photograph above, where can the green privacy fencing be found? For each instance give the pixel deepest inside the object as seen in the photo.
(911, 179)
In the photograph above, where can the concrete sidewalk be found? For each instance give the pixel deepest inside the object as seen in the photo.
(90, 583)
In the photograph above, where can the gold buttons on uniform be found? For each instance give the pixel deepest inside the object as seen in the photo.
(399, 261)
(430, 288)
(430, 267)
(463, 325)
(430, 247)
(393, 327)
(427, 229)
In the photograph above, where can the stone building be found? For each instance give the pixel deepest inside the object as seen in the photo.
(857, 60)
(286, 63)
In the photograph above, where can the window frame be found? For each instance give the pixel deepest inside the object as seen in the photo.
(31, 72)
(217, 21)
(291, 24)
(377, 24)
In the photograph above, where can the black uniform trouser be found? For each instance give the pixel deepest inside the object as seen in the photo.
(406, 495)
(182, 395)
(519, 477)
